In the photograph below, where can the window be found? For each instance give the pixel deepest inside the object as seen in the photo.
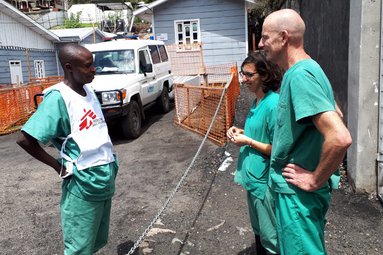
(154, 53)
(158, 53)
(39, 68)
(187, 33)
(144, 60)
(117, 61)
(164, 55)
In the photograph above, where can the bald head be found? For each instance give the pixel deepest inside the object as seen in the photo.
(71, 52)
(288, 20)
(77, 63)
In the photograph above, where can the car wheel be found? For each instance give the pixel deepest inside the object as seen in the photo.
(131, 123)
(164, 101)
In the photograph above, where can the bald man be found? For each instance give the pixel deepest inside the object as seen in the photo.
(70, 117)
(310, 139)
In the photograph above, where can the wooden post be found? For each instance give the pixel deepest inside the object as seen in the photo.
(204, 74)
(202, 127)
(28, 64)
(188, 112)
(228, 115)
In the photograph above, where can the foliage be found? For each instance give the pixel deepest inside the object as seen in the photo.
(114, 17)
(73, 21)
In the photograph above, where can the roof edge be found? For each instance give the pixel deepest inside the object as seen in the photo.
(148, 6)
(27, 20)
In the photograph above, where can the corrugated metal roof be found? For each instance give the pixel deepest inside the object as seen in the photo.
(81, 33)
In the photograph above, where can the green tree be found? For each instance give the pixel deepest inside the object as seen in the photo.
(73, 21)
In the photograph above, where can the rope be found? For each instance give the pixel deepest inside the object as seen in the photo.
(146, 231)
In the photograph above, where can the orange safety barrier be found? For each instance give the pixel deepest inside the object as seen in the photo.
(186, 59)
(17, 104)
(195, 106)
(47, 80)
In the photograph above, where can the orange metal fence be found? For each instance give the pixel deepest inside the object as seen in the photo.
(195, 106)
(17, 104)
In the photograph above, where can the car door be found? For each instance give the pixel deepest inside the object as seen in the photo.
(149, 88)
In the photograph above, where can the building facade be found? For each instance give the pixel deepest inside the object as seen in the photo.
(219, 25)
(26, 48)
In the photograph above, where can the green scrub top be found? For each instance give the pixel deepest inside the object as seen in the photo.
(305, 92)
(50, 123)
(253, 167)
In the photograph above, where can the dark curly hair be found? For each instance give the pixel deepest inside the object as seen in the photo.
(270, 73)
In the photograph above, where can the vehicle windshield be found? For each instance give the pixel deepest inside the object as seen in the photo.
(114, 62)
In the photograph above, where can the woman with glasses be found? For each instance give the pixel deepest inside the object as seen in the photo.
(263, 79)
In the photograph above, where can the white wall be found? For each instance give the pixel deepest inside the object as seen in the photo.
(363, 93)
(13, 33)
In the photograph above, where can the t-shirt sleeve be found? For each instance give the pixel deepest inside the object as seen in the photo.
(50, 120)
(308, 97)
(271, 120)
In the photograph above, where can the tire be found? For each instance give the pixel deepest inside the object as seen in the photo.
(164, 101)
(131, 123)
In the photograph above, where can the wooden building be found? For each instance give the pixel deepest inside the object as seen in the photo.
(27, 49)
(219, 25)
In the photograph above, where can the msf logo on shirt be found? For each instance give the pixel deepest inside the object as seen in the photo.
(87, 119)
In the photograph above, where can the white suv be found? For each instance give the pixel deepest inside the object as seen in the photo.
(130, 75)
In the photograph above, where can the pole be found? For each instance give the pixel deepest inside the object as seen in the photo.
(28, 64)
(94, 34)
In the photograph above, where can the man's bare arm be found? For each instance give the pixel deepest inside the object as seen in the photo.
(338, 111)
(31, 145)
(337, 139)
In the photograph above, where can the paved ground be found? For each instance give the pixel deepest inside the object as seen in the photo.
(208, 215)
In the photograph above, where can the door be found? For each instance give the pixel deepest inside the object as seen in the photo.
(149, 86)
(16, 72)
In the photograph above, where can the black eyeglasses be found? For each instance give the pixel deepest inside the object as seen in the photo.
(247, 74)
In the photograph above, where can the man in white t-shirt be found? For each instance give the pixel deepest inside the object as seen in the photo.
(70, 117)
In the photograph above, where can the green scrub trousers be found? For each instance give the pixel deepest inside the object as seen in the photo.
(263, 222)
(85, 224)
(301, 221)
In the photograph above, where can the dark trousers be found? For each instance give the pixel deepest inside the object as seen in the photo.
(259, 248)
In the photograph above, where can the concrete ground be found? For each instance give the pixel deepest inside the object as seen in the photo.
(208, 215)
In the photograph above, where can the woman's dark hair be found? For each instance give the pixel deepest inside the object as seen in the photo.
(270, 73)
